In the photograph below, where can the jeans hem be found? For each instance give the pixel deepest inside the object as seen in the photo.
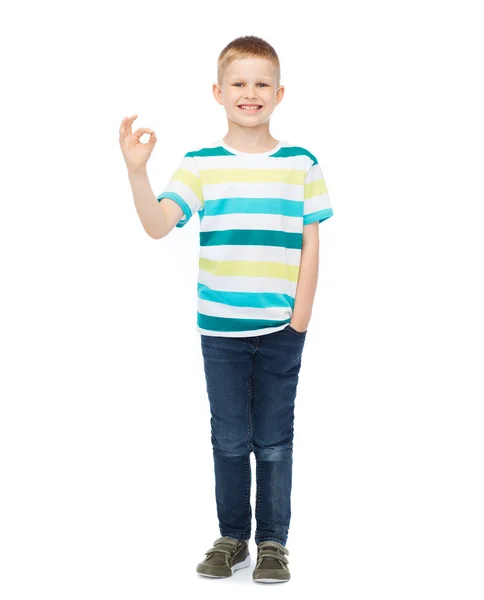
(271, 539)
(237, 536)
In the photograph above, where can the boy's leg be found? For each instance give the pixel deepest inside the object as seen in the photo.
(275, 378)
(228, 365)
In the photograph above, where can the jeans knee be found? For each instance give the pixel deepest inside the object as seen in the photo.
(274, 453)
(234, 453)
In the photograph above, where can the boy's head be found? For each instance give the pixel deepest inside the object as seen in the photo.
(248, 72)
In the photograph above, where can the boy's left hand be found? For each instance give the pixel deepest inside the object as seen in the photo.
(298, 326)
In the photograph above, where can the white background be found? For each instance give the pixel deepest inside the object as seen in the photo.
(106, 468)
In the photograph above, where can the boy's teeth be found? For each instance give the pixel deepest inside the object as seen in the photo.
(243, 106)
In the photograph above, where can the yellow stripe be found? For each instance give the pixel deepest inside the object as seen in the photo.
(315, 188)
(190, 180)
(245, 268)
(252, 175)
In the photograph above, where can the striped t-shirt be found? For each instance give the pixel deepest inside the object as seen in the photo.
(252, 208)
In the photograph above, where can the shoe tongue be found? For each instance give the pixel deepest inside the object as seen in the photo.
(226, 540)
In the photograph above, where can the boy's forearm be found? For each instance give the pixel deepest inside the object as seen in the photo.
(148, 208)
(306, 287)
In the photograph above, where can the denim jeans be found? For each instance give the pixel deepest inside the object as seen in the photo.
(251, 386)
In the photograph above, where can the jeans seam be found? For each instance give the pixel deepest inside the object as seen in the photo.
(247, 494)
(249, 408)
(249, 443)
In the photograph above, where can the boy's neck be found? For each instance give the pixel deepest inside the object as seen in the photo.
(250, 145)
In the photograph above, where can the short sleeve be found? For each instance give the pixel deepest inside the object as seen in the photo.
(317, 206)
(185, 188)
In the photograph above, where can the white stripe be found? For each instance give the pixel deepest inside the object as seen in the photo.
(316, 203)
(207, 163)
(249, 333)
(290, 256)
(252, 221)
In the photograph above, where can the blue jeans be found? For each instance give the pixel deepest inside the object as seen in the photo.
(251, 386)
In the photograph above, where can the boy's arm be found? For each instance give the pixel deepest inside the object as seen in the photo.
(157, 218)
(308, 278)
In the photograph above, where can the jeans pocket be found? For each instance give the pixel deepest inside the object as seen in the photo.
(300, 333)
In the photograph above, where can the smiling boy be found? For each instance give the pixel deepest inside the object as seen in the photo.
(260, 202)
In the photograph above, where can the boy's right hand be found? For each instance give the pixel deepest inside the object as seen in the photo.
(136, 153)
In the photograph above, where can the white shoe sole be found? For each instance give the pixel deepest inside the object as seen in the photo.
(241, 565)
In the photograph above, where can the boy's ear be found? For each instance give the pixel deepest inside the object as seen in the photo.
(217, 93)
(280, 94)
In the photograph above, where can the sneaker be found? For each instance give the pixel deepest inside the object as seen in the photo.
(226, 556)
(271, 563)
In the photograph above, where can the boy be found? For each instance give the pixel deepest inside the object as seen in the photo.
(260, 202)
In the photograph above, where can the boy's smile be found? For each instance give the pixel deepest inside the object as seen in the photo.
(250, 108)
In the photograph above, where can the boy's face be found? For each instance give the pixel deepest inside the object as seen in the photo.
(249, 81)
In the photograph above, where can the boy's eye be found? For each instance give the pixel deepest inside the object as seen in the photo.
(259, 84)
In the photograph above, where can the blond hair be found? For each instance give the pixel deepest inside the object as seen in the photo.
(248, 46)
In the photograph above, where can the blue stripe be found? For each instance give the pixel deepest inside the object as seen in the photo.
(320, 215)
(179, 200)
(289, 151)
(284, 152)
(266, 206)
(225, 324)
(216, 151)
(252, 299)
(251, 237)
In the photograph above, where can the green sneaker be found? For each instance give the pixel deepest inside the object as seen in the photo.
(272, 563)
(226, 556)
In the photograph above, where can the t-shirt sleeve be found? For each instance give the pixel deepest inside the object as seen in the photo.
(317, 206)
(185, 188)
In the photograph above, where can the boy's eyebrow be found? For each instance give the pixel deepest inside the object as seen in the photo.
(267, 77)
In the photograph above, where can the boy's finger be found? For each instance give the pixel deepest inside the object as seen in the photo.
(139, 132)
